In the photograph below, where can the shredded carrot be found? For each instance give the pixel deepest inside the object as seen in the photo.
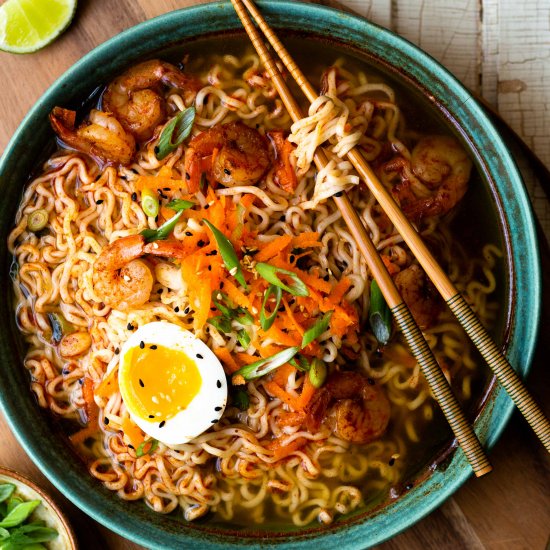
(276, 391)
(109, 384)
(291, 418)
(236, 295)
(224, 355)
(132, 432)
(282, 451)
(340, 288)
(312, 281)
(292, 318)
(281, 375)
(164, 178)
(245, 359)
(268, 351)
(273, 248)
(285, 339)
(306, 240)
(308, 389)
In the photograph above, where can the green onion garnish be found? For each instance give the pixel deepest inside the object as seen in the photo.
(19, 513)
(244, 338)
(229, 256)
(380, 318)
(271, 274)
(266, 365)
(163, 231)
(179, 204)
(317, 329)
(6, 489)
(175, 132)
(37, 220)
(147, 447)
(240, 399)
(300, 362)
(222, 301)
(267, 321)
(317, 373)
(150, 203)
(222, 323)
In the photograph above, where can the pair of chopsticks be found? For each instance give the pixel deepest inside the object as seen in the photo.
(439, 386)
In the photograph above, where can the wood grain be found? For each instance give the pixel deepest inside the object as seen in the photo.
(510, 508)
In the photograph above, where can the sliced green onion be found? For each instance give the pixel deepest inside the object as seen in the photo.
(266, 365)
(147, 447)
(271, 274)
(317, 373)
(222, 323)
(317, 329)
(244, 317)
(380, 318)
(37, 220)
(240, 398)
(267, 321)
(222, 301)
(163, 231)
(19, 514)
(179, 204)
(229, 256)
(150, 203)
(60, 326)
(300, 362)
(244, 338)
(175, 132)
(6, 490)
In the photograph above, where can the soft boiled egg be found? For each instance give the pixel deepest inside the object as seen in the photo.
(172, 384)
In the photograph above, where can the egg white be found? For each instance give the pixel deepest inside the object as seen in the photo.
(201, 412)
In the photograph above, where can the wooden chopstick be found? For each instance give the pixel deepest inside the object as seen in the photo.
(496, 360)
(441, 389)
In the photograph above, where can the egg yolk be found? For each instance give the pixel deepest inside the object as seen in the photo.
(160, 381)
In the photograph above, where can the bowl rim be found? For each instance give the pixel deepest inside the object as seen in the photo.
(442, 483)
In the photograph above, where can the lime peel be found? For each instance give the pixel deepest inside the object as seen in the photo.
(28, 25)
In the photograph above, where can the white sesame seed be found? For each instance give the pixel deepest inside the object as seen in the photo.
(155, 399)
(218, 296)
(127, 278)
(155, 245)
(233, 270)
(255, 310)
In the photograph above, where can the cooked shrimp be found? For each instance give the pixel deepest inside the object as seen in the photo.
(233, 154)
(121, 279)
(419, 294)
(436, 179)
(358, 411)
(134, 100)
(101, 136)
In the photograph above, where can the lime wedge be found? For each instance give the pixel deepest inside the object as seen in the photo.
(28, 25)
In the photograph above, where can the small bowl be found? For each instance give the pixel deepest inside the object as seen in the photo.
(48, 511)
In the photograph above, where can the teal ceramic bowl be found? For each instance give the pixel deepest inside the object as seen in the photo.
(505, 198)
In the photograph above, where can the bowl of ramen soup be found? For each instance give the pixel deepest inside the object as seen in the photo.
(186, 346)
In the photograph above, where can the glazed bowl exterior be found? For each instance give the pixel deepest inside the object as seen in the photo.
(39, 433)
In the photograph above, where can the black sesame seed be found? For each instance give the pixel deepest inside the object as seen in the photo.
(65, 372)
(391, 462)
(282, 218)
(226, 171)
(207, 206)
(105, 421)
(141, 383)
(221, 284)
(188, 234)
(218, 383)
(156, 218)
(131, 447)
(201, 243)
(292, 258)
(129, 326)
(215, 421)
(151, 416)
(176, 309)
(339, 194)
(212, 309)
(117, 351)
(209, 268)
(159, 291)
(123, 178)
(186, 310)
(134, 171)
(153, 346)
(281, 309)
(326, 277)
(199, 356)
(142, 344)
(81, 381)
(217, 408)
(187, 176)
(99, 201)
(161, 425)
(166, 188)
(134, 197)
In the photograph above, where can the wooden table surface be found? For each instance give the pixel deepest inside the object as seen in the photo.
(499, 52)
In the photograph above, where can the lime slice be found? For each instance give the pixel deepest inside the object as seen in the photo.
(28, 25)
